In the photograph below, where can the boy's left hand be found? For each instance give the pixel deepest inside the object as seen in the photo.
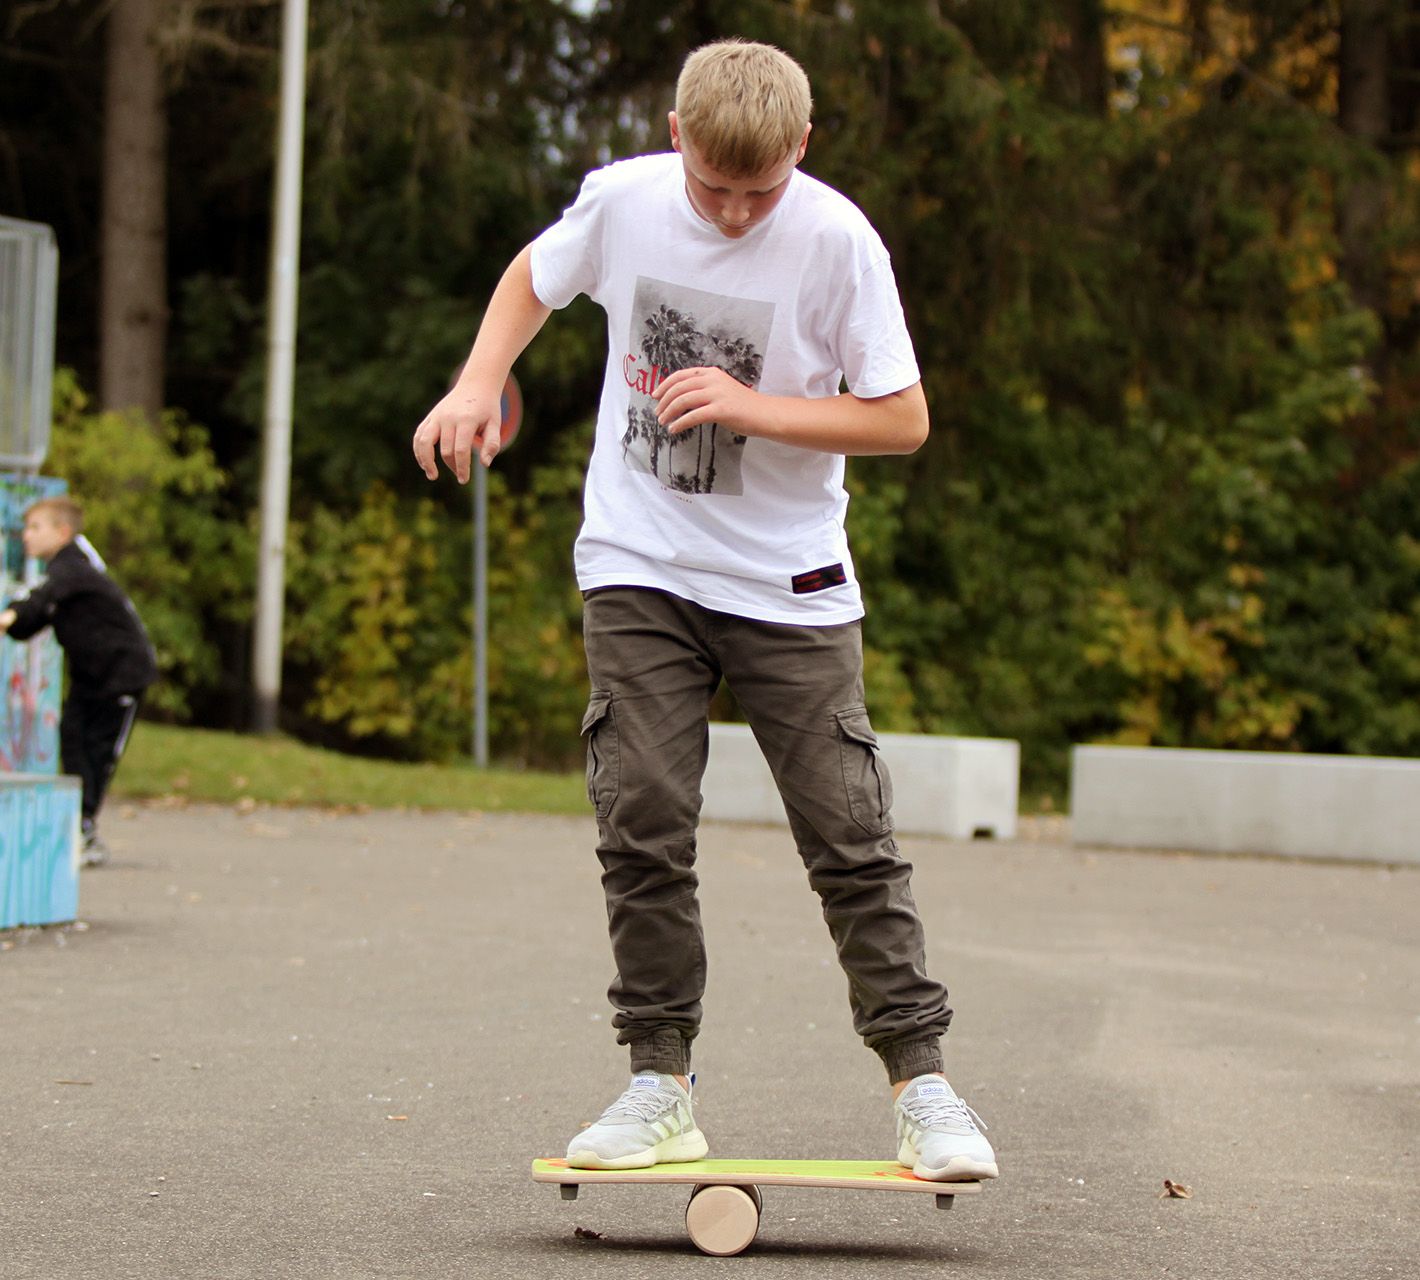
(691, 397)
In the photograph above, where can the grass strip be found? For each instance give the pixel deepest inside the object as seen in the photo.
(163, 761)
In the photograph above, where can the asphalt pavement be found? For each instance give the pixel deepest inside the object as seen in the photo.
(286, 1043)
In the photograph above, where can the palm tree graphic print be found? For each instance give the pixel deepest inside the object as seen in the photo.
(672, 328)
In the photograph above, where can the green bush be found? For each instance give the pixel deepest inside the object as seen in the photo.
(151, 493)
(372, 625)
(379, 622)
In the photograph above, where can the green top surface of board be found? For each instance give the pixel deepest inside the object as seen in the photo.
(884, 1174)
(783, 1168)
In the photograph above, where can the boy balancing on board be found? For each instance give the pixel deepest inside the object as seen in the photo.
(111, 660)
(739, 295)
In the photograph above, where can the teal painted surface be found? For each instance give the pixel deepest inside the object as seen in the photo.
(39, 811)
(39, 849)
(31, 674)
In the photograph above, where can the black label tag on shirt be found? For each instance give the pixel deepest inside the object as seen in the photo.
(819, 579)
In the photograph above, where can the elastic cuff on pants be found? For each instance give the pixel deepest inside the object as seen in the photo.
(667, 1053)
(912, 1059)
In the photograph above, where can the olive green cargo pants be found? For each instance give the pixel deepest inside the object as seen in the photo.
(655, 661)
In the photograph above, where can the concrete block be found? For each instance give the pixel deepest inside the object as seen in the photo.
(39, 849)
(958, 787)
(738, 786)
(1304, 806)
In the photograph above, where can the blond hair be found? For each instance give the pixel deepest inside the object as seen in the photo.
(61, 510)
(743, 106)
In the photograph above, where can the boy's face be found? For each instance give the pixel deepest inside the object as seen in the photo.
(44, 535)
(733, 205)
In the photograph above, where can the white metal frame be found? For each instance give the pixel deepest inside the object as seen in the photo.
(29, 286)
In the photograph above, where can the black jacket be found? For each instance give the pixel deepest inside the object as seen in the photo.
(108, 651)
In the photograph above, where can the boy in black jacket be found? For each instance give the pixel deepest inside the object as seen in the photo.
(111, 660)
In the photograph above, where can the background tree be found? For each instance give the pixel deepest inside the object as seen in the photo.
(1159, 258)
(133, 318)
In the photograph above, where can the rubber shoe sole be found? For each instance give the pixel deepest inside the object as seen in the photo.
(957, 1169)
(676, 1149)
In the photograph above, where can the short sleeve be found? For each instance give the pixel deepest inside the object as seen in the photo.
(873, 347)
(567, 258)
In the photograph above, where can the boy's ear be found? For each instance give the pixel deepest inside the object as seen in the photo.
(675, 130)
(804, 142)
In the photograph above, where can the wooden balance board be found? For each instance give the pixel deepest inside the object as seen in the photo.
(722, 1217)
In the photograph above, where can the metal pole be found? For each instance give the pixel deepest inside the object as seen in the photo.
(480, 614)
(280, 369)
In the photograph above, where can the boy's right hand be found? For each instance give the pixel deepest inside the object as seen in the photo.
(466, 419)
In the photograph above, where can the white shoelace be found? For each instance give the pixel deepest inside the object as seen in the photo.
(944, 1113)
(642, 1104)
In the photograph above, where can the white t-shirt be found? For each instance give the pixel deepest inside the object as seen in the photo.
(804, 301)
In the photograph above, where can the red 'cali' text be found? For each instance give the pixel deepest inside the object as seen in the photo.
(643, 380)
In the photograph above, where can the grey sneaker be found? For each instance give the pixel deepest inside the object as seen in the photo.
(96, 852)
(651, 1123)
(939, 1137)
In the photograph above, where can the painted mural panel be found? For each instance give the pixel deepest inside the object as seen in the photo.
(31, 674)
(39, 850)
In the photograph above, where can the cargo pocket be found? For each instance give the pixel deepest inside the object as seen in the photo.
(603, 752)
(865, 774)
